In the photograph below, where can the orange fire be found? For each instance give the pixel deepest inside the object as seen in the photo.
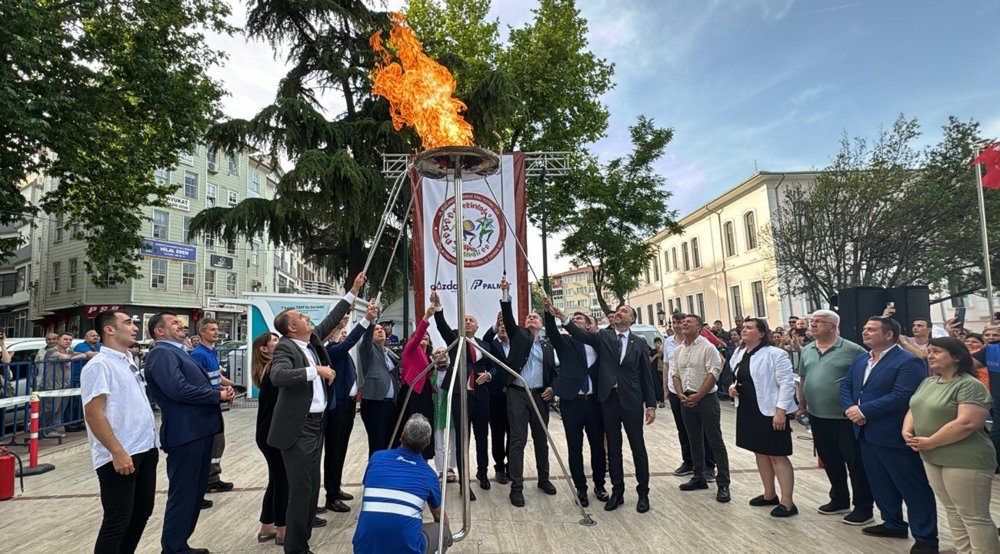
(419, 90)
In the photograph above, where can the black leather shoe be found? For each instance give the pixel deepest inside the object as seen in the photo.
(206, 504)
(484, 481)
(684, 469)
(881, 530)
(612, 504)
(781, 511)
(318, 522)
(219, 486)
(338, 506)
(761, 501)
(547, 487)
(581, 495)
(694, 485)
(341, 495)
(320, 510)
(723, 494)
(502, 477)
(472, 496)
(600, 493)
(517, 499)
(198, 551)
(923, 547)
(642, 506)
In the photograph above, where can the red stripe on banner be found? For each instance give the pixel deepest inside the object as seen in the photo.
(417, 224)
(521, 221)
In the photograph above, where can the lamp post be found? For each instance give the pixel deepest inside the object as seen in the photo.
(662, 315)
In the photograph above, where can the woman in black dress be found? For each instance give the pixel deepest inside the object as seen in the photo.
(272, 513)
(764, 390)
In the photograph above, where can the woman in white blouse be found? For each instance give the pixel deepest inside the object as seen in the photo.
(764, 389)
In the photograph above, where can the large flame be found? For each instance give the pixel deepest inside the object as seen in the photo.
(419, 90)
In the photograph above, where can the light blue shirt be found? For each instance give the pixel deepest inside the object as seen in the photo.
(533, 368)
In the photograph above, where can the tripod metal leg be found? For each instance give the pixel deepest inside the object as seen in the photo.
(458, 365)
(587, 519)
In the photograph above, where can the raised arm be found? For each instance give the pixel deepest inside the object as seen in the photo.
(552, 332)
(440, 321)
(341, 309)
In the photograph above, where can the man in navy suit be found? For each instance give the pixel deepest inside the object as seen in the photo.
(341, 409)
(576, 387)
(190, 415)
(875, 396)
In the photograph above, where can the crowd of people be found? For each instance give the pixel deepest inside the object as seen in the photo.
(901, 420)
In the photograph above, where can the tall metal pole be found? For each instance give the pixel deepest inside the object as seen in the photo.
(545, 238)
(985, 239)
(463, 398)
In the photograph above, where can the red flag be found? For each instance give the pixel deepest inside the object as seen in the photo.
(990, 158)
(711, 337)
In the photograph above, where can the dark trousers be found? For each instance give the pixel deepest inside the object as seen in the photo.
(703, 423)
(682, 435)
(215, 467)
(337, 435)
(275, 504)
(521, 417)
(302, 467)
(658, 384)
(479, 418)
(616, 417)
(995, 429)
(127, 501)
(187, 471)
(897, 475)
(378, 417)
(499, 431)
(581, 415)
(838, 449)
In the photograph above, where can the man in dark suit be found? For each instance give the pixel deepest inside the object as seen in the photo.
(478, 373)
(499, 345)
(190, 415)
(624, 384)
(576, 388)
(379, 381)
(300, 369)
(340, 410)
(875, 395)
(533, 359)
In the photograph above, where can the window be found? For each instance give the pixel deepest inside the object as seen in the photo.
(690, 302)
(699, 302)
(254, 184)
(162, 176)
(253, 254)
(210, 243)
(685, 256)
(186, 231)
(759, 306)
(211, 192)
(234, 198)
(211, 158)
(21, 279)
(59, 229)
(209, 281)
(695, 254)
(233, 165)
(187, 157)
(187, 277)
(666, 261)
(659, 308)
(656, 268)
(673, 254)
(231, 248)
(158, 275)
(736, 296)
(670, 305)
(729, 237)
(677, 303)
(190, 184)
(72, 274)
(161, 222)
(231, 280)
(649, 313)
(647, 274)
(750, 225)
(56, 277)
(638, 316)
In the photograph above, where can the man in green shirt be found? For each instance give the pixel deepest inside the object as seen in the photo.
(823, 365)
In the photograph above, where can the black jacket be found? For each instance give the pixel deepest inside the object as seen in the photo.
(573, 369)
(633, 375)
(482, 363)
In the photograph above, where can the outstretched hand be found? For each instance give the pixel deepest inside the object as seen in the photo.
(505, 286)
(435, 299)
(359, 280)
(372, 312)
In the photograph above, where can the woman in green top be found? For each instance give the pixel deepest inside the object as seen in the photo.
(945, 425)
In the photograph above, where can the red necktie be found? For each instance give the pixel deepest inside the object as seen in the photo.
(472, 374)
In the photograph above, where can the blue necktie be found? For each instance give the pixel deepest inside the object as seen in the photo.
(586, 386)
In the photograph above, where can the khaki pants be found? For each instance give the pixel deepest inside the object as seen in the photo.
(431, 531)
(965, 495)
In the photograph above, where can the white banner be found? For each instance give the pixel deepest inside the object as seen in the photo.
(488, 239)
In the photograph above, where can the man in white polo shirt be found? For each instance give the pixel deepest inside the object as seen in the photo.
(122, 434)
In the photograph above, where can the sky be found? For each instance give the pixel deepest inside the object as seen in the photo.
(747, 85)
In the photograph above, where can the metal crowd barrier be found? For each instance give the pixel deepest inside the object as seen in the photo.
(58, 381)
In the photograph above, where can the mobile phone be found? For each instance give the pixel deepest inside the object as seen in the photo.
(890, 305)
(800, 332)
(960, 315)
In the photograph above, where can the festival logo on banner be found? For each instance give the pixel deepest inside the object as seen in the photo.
(483, 230)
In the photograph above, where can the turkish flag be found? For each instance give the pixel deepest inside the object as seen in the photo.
(990, 158)
(711, 337)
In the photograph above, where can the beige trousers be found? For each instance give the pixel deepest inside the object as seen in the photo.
(965, 495)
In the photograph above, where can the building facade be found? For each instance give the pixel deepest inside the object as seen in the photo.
(573, 291)
(192, 276)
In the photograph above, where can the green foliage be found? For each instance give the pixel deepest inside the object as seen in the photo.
(97, 94)
(326, 204)
(615, 209)
(886, 214)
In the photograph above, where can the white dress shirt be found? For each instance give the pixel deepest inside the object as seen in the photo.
(318, 403)
(872, 362)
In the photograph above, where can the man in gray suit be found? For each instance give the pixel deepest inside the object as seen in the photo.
(300, 369)
(379, 381)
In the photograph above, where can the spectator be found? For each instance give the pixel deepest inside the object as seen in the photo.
(441, 419)
(656, 360)
(945, 423)
(416, 357)
(73, 411)
(275, 503)
(50, 342)
(738, 328)
(55, 376)
(917, 344)
(205, 355)
(397, 483)
(194, 341)
(987, 357)
(975, 342)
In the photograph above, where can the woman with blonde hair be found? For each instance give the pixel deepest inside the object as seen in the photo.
(275, 504)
